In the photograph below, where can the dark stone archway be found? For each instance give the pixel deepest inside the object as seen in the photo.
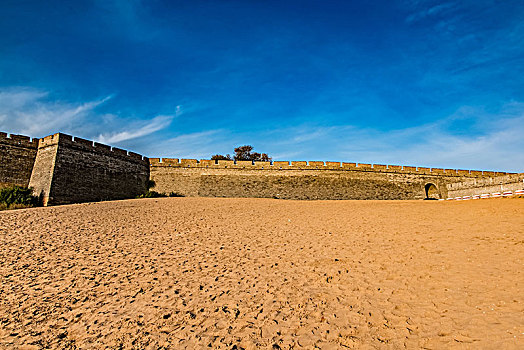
(431, 191)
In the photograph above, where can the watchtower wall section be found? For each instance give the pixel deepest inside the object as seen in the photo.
(73, 170)
(17, 156)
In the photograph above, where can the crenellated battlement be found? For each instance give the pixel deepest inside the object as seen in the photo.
(66, 169)
(318, 165)
(18, 140)
(77, 142)
(72, 169)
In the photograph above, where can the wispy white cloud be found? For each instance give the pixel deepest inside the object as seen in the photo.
(493, 141)
(33, 112)
(300, 136)
(18, 96)
(29, 111)
(428, 10)
(496, 142)
(198, 145)
(140, 129)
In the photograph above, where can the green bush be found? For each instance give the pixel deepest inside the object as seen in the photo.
(152, 194)
(155, 194)
(16, 197)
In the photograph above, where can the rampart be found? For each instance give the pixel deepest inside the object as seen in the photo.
(62, 169)
(479, 186)
(17, 156)
(70, 170)
(304, 180)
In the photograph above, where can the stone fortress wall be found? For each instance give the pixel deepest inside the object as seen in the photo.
(17, 156)
(305, 180)
(62, 169)
(72, 170)
(488, 185)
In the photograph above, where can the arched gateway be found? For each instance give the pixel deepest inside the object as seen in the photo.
(431, 191)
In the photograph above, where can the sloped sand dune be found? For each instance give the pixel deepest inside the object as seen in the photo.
(260, 273)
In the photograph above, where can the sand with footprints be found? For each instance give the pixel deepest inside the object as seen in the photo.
(220, 273)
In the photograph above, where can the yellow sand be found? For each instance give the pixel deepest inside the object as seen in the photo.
(261, 273)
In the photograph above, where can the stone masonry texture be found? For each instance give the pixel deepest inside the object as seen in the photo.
(43, 170)
(313, 181)
(479, 186)
(17, 156)
(62, 169)
(71, 170)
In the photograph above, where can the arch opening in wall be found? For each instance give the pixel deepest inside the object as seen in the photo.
(431, 191)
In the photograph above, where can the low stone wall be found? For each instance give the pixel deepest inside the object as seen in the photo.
(289, 183)
(319, 165)
(472, 187)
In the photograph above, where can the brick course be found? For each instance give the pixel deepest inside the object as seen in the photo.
(75, 170)
(17, 156)
(301, 180)
(64, 170)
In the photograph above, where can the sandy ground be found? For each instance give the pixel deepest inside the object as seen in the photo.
(262, 273)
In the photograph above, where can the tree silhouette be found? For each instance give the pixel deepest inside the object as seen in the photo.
(221, 157)
(244, 153)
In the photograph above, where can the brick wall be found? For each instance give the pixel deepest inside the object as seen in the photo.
(17, 156)
(294, 183)
(320, 165)
(43, 170)
(478, 186)
(75, 170)
(302, 180)
(64, 169)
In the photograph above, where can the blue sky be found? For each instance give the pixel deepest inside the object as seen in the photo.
(415, 82)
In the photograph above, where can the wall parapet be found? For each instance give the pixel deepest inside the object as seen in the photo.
(484, 187)
(487, 181)
(318, 165)
(96, 147)
(18, 140)
(71, 169)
